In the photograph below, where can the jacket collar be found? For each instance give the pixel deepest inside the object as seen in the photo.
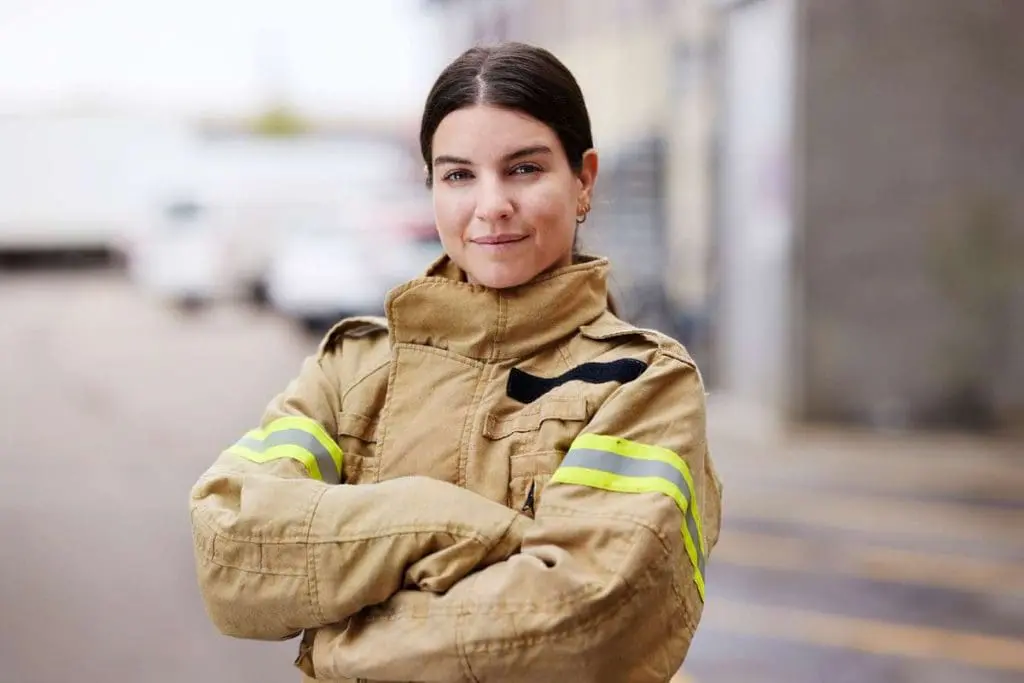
(444, 311)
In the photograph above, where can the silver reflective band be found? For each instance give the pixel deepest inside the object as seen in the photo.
(613, 463)
(297, 437)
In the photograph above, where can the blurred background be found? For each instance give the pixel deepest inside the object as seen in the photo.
(824, 199)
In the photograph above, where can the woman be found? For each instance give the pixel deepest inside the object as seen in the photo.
(525, 487)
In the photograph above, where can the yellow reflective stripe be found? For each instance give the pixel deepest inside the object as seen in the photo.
(641, 451)
(298, 438)
(619, 483)
(297, 453)
(617, 464)
(314, 429)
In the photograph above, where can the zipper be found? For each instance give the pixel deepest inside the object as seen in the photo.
(528, 505)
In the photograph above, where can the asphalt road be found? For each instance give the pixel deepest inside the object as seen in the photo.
(844, 557)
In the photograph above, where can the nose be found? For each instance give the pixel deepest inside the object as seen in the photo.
(494, 204)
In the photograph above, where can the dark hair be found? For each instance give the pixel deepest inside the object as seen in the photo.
(516, 76)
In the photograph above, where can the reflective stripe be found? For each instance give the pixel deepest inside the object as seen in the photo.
(640, 451)
(625, 466)
(298, 438)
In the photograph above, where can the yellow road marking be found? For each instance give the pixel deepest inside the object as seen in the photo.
(880, 515)
(869, 562)
(866, 635)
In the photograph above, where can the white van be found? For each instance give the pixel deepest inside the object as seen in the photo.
(85, 182)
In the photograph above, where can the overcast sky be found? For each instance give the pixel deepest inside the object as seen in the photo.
(217, 56)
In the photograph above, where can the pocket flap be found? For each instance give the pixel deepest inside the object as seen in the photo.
(359, 426)
(529, 419)
(606, 328)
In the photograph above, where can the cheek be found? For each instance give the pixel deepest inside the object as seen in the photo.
(450, 212)
(550, 209)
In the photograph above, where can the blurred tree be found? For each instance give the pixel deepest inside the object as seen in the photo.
(280, 121)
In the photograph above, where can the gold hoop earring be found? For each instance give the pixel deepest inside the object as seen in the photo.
(581, 219)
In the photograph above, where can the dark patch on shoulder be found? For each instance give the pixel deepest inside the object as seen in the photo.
(526, 388)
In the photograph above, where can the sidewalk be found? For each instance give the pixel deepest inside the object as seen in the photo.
(850, 555)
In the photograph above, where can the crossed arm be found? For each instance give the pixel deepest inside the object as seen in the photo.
(279, 549)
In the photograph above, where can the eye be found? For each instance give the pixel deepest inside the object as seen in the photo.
(526, 169)
(457, 175)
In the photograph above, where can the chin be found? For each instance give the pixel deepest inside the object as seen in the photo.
(499, 277)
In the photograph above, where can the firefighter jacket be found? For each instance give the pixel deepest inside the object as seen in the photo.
(486, 485)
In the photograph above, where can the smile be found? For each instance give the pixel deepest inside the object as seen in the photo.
(498, 240)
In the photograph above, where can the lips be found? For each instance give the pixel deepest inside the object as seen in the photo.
(498, 239)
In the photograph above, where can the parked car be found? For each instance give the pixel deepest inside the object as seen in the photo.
(268, 186)
(325, 270)
(177, 258)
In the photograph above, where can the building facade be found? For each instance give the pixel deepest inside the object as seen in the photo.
(870, 235)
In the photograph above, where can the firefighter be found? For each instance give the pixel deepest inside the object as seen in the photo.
(500, 480)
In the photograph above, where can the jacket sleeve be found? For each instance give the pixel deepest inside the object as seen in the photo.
(281, 546)
(609, 583)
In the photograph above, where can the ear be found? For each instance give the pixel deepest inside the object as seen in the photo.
(588, 174)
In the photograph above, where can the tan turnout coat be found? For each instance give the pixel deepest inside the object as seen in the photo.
(486, 485)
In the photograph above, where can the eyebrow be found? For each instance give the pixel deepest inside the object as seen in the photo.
(518, 154)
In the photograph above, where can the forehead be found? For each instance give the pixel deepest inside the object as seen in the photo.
(482, 131)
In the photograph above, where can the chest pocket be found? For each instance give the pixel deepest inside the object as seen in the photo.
(357, 436)
(534, 439)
